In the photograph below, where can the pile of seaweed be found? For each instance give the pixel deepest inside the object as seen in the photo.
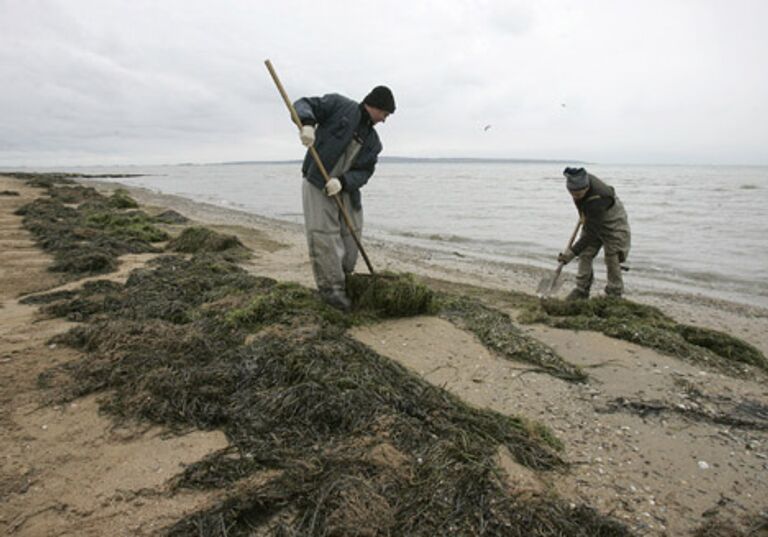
(197, 239)
(648, 326)
(326, 436)
(390, 295)
(170, 216)
(84, 230)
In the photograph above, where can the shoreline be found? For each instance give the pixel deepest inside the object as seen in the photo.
(747, 321)
(672, 254)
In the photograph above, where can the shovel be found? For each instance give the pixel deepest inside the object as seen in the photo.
(316, 156)
(550, 284)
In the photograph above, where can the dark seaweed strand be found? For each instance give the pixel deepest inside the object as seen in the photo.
(648, 326)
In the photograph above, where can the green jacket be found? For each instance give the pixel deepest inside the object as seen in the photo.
(605, 220)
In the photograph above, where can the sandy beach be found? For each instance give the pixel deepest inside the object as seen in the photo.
(67, 470)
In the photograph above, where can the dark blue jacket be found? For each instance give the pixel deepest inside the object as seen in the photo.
(338, 119)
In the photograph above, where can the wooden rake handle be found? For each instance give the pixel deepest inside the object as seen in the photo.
(320, 166)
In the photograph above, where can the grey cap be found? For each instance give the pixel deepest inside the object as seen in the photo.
(576, 178)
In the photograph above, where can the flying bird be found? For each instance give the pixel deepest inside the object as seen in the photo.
(486, 128)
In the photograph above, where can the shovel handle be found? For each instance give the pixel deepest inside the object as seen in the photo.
(320, 166)
(573, 235)
(555, 278)
(560, 266)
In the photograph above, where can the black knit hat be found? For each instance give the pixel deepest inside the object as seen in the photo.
(381, 98)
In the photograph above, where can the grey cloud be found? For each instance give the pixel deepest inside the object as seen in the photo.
(146, 81)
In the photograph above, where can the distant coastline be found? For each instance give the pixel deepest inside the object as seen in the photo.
(411, 160)
(473, 160)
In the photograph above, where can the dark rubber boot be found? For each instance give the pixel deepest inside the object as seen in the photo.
(577, 294)
(339, 301)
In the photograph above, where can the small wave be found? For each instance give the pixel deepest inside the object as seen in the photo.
(749, 187)
(477, 244)
(704, 279)
(440, 237)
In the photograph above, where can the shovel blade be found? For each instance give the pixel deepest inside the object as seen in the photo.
(544, 285)
(550, 283)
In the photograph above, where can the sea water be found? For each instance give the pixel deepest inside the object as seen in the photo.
(696, 229)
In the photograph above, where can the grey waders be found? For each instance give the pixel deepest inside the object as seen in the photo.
(332, 250)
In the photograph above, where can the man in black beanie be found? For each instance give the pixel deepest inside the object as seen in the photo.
(342, 132)
(605, 225)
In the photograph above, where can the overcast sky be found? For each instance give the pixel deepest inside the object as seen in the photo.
(168, 81)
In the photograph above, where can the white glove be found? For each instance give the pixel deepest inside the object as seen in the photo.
(333, 187)
(307, 135)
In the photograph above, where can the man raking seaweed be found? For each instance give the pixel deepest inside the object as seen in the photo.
(339, 135)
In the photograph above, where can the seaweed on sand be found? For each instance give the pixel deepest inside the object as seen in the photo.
(400, 295)
(497, 331)
(285, 304)
(390, 295)
(201, 239)
(48, 298)
(746, 414)
(373, 297)
(72, 194)
(198, 239)
(648, 326)
(170, 288)
(87, 239)
(717, 526)
(121, 200)
(327, 437)
(130, 226)
(76, 305)
(171, 217)
(695, 404)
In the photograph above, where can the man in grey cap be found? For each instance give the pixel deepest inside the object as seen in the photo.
(605, 225)
(342, 132)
